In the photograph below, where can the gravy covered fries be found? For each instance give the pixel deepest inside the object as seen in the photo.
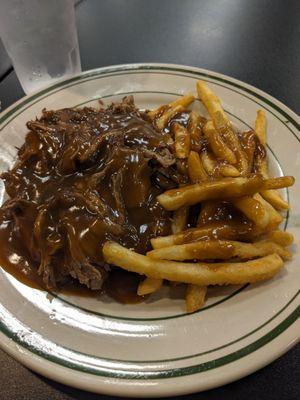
(201, 274)
(182, 141)
(217, 144)
(220, 189)
(225, 211)
(272, 196)
(218, 250)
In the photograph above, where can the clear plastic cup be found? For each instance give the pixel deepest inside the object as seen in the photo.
(41, 39)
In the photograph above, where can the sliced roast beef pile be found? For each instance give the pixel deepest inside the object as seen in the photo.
(84, 176)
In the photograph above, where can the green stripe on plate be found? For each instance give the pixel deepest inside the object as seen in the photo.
(18, 338)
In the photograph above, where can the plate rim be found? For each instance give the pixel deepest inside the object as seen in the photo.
(28, 359)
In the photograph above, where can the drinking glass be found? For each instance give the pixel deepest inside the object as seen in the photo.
(41, 39)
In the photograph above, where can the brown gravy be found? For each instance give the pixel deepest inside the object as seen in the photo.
(83, 177)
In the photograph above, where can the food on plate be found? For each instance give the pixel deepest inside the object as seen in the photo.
(202, 274)
(84, 176)
(218, 250)
(195, 297)
(149, 285)
(223, 188)
(122, 201)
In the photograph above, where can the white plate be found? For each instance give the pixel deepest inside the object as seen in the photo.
(154, 348)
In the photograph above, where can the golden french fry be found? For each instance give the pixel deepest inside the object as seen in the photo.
(282, 238)
(274, 198)
(271, 196)
(228, 170)
(204, 249)
(195, 130)
(233, 142)
(157, 111)
(195, 297)
(180, 217)
(253, 209)
(211, 102)
(196, 170)
(222, 123)
(249, 145)
(217, 144)
(260, 130)
(149, 285)
(274, 217)
(219, 189)
(218, 250)
(202, 274)
(216, 230)
(261, 126)
(259, 249)
(261, 166)
(209, 163)
(162, 121)
(182, 141)
(183, 102)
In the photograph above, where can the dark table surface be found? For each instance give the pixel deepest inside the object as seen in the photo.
(257, 41)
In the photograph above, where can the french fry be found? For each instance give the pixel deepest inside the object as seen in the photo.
(208, 162)
(183, 102)
(233, 142)
(253, 209)
(195, 130)
(201, 274)
(157, 111)
(211, 102)
(195, 297)
(217, 144)
(218, 250)
(282, 238)
(222, 123)
(261, 127)
(180, 217)
(182, 141)
(162, 121)
(249, 144)
(260, 130)
(271, 196)
(215, 230)
(274, 198)
(219, 189)
(149, 285)
(274, 217)
(228, 170)
(196, 170)
(261, 166)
